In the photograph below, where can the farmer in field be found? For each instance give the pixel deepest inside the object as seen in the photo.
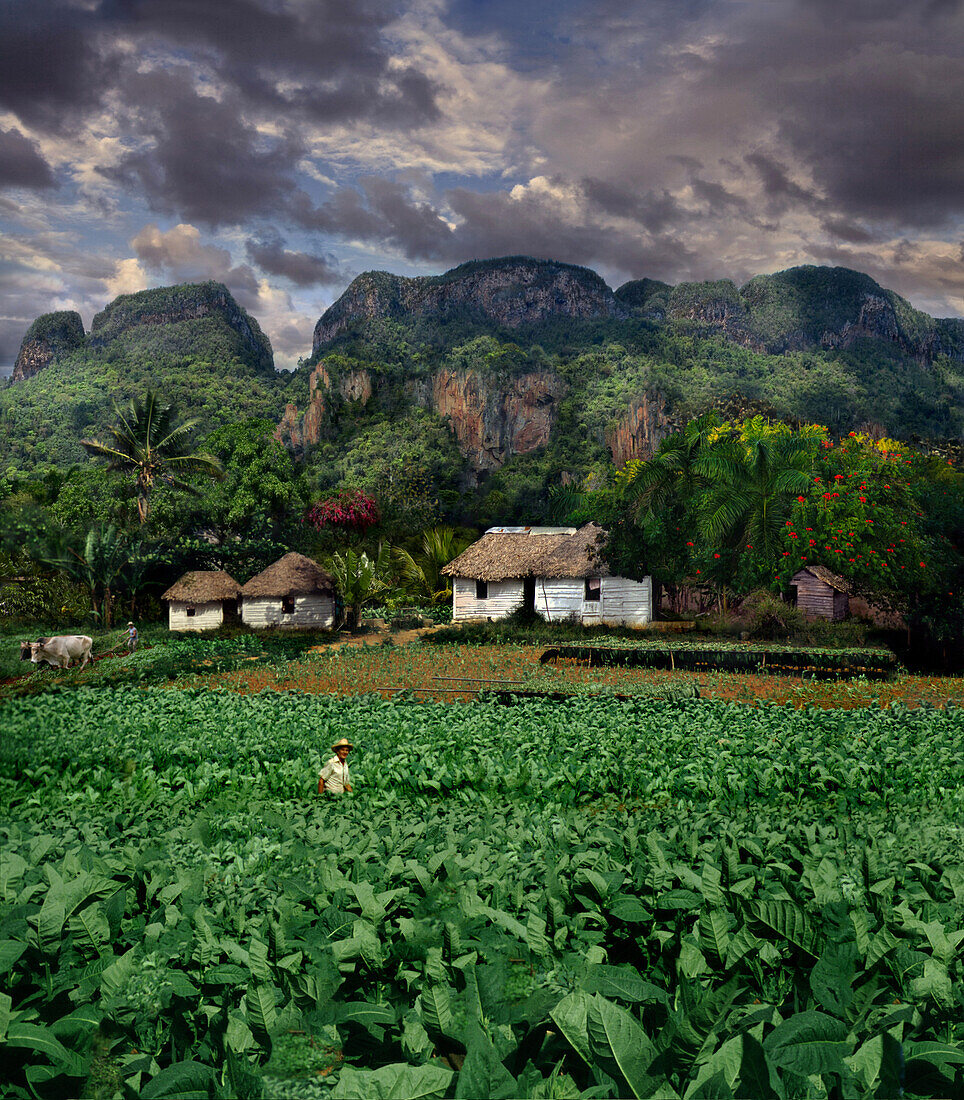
(131, 637)
(334, 775)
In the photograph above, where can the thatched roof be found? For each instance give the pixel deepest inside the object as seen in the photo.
(822, 573)
(203, 586)
(580, 555)
(292, 575)
(503, 554)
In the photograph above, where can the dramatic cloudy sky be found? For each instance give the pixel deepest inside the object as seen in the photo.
(283, 146)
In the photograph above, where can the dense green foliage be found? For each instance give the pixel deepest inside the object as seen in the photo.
(589, 899)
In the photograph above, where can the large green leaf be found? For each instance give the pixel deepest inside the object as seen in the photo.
(482, 1072)
(50, 921)
(787, 920)
(809, 1042)
(758, 1080)
(43, 1041)
(623, 983)
(571, 1016)
(187, 1080)
(619, 1042)
(260, 1010)
(393, 1082)
(10, 952)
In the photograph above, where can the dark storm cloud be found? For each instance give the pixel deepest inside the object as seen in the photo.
(326, 60)
(655, 211)
(21, 164)
(205, 163)
(777, 185)
(53, 64)
(884, 137)
(382, 211)
(301, 268)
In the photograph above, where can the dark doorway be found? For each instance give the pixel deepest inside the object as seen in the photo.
(529, 594)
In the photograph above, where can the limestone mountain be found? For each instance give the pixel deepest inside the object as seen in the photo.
(509, 293)
(193, 343)
(50, 336)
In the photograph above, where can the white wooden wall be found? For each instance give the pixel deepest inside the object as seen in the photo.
(504, 597)
(207, 616)
(310, 611)
(621, 602)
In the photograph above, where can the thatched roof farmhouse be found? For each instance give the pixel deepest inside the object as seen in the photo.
(293, 592)
(557, 572)
(202, 600)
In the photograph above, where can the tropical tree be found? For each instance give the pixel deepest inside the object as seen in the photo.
(360, 579)
(751, 477)
(421, 574)
(97, 559)
(147, 445)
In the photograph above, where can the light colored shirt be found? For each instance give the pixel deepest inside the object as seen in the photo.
(335, 775)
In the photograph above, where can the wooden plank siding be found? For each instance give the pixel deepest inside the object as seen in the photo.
(819, 599)
(502, 599)
(621, 602)
(207, 616)
(310, 611)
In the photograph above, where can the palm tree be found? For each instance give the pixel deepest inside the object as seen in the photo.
(750, 482)
(666, 480)
(147, 446)
(422, 574)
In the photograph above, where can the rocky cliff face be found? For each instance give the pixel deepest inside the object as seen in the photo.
(509, 292)
(491, 418)
(51, 335)
(638, 434)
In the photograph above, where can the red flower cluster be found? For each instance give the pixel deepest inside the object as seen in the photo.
(350, 509)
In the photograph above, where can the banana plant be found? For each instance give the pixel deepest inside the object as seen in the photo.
(360, 579)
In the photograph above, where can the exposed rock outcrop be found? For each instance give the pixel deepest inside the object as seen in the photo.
(492, 418)
(51, 335)
(513, 291)
(494, 421)
(638, 434)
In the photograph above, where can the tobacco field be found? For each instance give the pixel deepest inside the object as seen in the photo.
(589, 898)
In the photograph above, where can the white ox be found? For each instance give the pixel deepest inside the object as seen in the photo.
(58, 651)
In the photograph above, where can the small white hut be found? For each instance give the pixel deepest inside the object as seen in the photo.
(202, 600)
(557, 572)
(295, 592)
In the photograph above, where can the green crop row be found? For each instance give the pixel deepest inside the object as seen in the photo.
(586, 899)
(876, 664)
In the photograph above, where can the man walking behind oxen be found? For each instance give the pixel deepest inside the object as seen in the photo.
(334, 776)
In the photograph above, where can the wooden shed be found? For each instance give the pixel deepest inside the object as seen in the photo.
(295, 592)
(822, 593)
(202, 600)
(557, 572)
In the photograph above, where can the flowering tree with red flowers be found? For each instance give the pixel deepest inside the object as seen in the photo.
(351, 511)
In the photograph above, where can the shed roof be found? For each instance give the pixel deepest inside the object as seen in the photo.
(503, 554)
(203, 586)
(292, 575)
(822, 573)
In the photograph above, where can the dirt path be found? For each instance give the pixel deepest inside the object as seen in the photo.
(397, 637)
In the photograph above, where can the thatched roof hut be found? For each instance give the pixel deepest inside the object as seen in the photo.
(508, 552)
(292, 575)
(203, 586)
(505, 553)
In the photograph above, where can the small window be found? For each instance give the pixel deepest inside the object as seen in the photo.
(592, 588)
(191, 612)
(481, 590)
(287, 605)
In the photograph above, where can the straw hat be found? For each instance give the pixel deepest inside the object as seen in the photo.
(344, 743)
